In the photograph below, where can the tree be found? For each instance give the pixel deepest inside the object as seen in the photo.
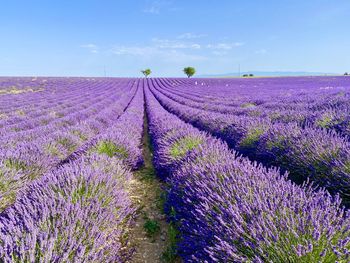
(248, 75)
(346, 74)
(146, 72)
(189, 71)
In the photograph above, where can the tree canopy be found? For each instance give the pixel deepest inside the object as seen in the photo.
(189, 71)
(146, 72)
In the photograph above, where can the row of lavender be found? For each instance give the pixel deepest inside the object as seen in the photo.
(322, 102)
(80, 211)
(266, 92)
(42, 93)
(229, 209)
(306, 152)
(28, 153)
(56, 109)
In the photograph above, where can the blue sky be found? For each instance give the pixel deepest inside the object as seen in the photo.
(81, 38)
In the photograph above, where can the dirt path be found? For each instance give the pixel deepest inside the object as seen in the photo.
(152, 237)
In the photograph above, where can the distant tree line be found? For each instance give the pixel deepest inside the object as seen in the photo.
(248, 75)
(189, 71)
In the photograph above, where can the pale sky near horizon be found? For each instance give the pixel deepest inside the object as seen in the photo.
(82, 38)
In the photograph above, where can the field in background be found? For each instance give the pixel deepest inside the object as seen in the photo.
(244, 169)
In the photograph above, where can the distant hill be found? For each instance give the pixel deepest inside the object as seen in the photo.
(269, 74)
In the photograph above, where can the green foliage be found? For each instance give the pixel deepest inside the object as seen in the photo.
(347, 167)
(278, 143)
(252, 137)
(170, 253)
(146, 173)
(80, 192)
(248, 105)
(321, 249)
(84, 192)
(16, 129)
(146, 72)
(248, 75)
(161, 200)
(189, 71)
(111, 149)
(151, 227)
(180, 148)
(80, 134)
(325, 121)
(16, 165)
(172, 212)
(20, 112)
(67, 143)
(7, 192)
(52, 149)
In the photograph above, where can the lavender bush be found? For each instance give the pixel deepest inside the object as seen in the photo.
(228, 209)
(306, 152)
(79, 209)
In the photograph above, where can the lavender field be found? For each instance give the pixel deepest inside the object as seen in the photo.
(247, 169)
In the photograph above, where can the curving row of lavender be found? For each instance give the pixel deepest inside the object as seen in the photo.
(229, 209)
(68, 146)
(321, 102)
(28, 152)
(321, 155)
(78, 208)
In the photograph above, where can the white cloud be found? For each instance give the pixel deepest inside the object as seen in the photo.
(196, 46)
(187, 44)
(174, 44)
(181, 49)
(156, 6)
(225, 46)
(152, 10)
(178, 50)
(191, 36)
(166, 43)
(154, 52)
(91, 47)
